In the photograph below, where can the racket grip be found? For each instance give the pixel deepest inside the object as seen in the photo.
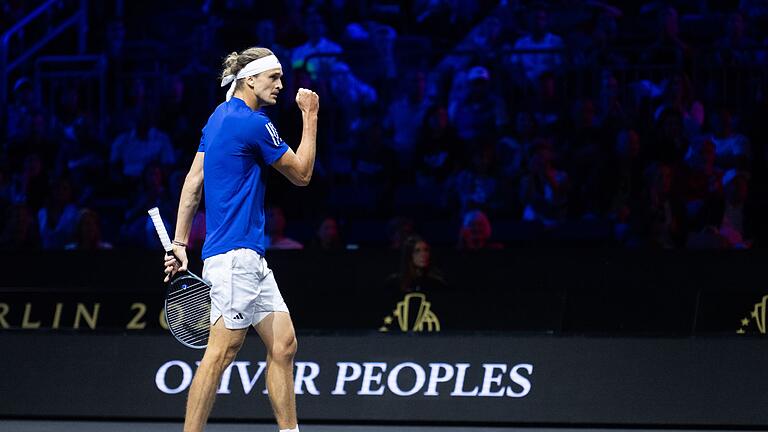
(154, 214)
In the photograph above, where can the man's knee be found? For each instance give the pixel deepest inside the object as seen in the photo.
(284, 350)
(221, 356)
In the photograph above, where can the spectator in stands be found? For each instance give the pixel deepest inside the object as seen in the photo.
(476, 186)
(58, 219)
(475, 110)
(739, 214)
(669, 48)
(275, 231)
(143, 145)
(677, 95)
(398, 230)
(513, 150)
(267, 38)
(20, 232)
(137, 229)
(327, 236)
(624, 181)
(437, 147)
(36, 137)
(544, 190)
(732, 149)
(30, 185)
(19, 113)
(659, 219)
(405, 116)
(611, 113)
(88, 234)
(475, 232)
(546, 104)
(417, 274)
(702, 181)
(586, 147)
(317, 44)
(353, 102)
(670, 144)
(550, 58)
(736, 47)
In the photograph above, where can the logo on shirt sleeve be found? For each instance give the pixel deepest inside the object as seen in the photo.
(273, 134)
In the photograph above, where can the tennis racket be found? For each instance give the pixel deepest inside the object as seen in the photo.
(187, 298)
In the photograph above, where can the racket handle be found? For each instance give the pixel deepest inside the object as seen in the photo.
(154, 213)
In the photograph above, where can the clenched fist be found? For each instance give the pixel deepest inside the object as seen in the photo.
(308, 101)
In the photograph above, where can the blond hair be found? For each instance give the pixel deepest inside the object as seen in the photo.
(237, 61)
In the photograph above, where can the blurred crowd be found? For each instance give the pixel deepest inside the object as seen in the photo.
(476, 124)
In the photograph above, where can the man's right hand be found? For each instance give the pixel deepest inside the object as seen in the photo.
(308, 101)
(172, 265)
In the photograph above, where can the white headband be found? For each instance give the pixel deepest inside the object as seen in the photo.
(255, 67)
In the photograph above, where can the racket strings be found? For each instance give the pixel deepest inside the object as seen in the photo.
(188, 312)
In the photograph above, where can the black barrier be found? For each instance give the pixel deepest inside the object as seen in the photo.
(538, 290)
(399, 378)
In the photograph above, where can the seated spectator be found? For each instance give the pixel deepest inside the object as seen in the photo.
(670, 144)
(137, 229)
(398, 230)
(547, 105)
(20, 232)
(677, 95)
(405, 116)
(586, 149)
(624, 180)
(477, 112)
(133, 151)
(658, 221)
(18, 115)
(58, 219)
(327, 236)
(732, 149)
(736, 47)
(611, 114)
(318, 44)
(275, 231)
(417, 274)
(88, 234)
(739, 218)
(36, 136)
(437, 146)
(669, 48)
(475, 232)
(30, 185)
(475, 186)
(701, 180)
(512, 150)
(533, 64)
(544, 190)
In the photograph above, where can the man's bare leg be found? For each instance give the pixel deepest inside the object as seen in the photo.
(223, 345)
(276, 330)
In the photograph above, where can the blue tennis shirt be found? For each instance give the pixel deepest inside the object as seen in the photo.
(239, 145)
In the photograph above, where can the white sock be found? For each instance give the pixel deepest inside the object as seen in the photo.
(296, 429)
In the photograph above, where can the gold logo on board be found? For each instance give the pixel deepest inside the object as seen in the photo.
(757, 315)
(413, 313)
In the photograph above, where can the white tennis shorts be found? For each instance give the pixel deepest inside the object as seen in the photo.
(243, 288)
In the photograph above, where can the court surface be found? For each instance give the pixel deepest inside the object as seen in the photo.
(93, 426)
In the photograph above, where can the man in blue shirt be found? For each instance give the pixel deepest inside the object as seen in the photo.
(238, 145)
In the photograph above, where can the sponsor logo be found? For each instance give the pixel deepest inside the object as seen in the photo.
(414, 313)
(756, 316)
(404, 379)
(239, 316)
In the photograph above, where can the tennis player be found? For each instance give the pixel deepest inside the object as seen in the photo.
(238, 144)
